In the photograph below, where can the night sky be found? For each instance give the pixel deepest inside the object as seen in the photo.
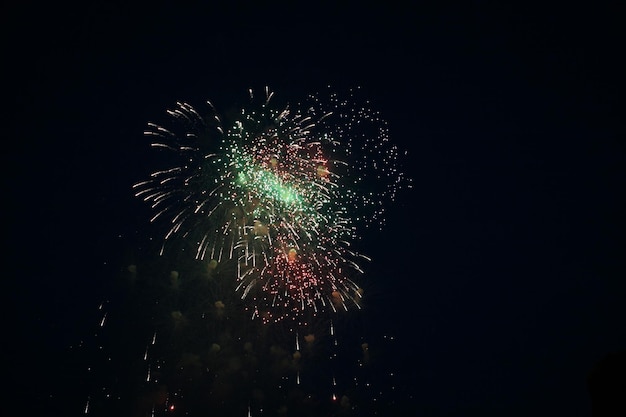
(500, 273)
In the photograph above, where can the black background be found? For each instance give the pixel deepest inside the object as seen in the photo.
(501, 272)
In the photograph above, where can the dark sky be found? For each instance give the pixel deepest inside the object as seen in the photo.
(501, 271)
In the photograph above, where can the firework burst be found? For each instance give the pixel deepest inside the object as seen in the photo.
(281, 191)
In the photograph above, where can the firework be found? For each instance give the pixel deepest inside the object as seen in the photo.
(281, 191)
(273, 203)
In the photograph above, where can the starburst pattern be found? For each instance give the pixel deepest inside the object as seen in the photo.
(281, 191)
